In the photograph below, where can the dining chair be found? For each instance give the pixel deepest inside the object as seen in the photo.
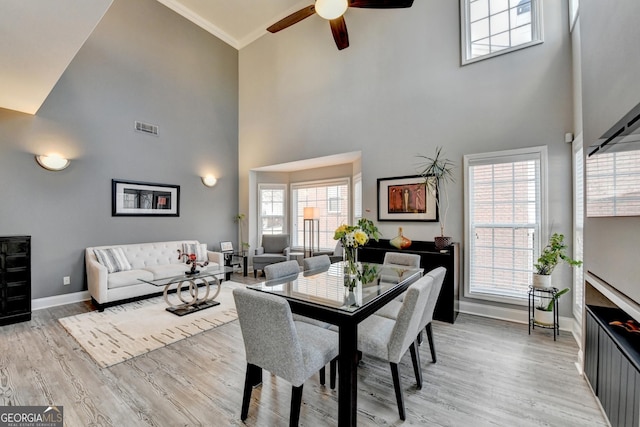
(392, 309)
(318, 262)
(275, 342)
(389, 339)
(400, 258)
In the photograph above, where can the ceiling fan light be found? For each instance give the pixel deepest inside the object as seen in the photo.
(331, 9)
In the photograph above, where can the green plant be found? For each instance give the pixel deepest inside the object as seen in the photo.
(544, 306)
(437, 171)
(239, 219)
(552, 254)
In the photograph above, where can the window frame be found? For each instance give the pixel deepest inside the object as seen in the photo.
(272, 186)
(498, 157)
(330, 182)
(465, 36)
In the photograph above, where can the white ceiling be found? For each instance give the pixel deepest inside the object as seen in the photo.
(237, 22)
(40, 38)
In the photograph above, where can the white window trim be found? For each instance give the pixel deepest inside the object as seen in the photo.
(357, 180)
(267, 186)
(465, 44)
(489, 158)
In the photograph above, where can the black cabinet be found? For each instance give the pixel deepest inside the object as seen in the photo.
(448, 303)
(612, 365)
(15, 279)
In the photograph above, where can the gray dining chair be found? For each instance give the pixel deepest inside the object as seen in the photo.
(400, 258)
(389, 339)
(275, 342)
(318, 262)
(392, 309)
(281, 269)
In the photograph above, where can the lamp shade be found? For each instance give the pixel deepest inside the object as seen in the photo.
(331, 9)
(209, 180)
(311, 213)
(52, 162)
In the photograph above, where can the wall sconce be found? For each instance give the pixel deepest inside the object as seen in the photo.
(209, 180)
(53, 162)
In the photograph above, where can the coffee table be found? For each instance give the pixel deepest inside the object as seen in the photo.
(194, 300)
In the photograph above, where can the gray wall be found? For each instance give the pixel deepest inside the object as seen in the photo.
(610, 88)
(399, 91)
(142, 62)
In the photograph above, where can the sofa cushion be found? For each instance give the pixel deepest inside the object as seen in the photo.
(127, 278)
(167, 270)
(200, 249)
(269, 258)
(113, 258)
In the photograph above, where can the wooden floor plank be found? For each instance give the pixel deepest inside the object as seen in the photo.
(489, 373)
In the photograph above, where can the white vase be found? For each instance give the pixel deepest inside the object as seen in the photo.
(541, 281)
(544, 318)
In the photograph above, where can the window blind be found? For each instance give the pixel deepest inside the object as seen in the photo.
(613, 184)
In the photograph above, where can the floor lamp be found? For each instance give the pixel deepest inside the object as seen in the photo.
(311, 232)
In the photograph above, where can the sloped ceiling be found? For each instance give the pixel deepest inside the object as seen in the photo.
(39, 38)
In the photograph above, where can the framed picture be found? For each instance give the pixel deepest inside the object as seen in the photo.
(406, 198)
(131, 198)
(226, 247)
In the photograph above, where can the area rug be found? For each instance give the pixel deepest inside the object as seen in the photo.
(125, 331)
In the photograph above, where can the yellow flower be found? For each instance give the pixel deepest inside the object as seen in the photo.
(360, 237)
(340, 232)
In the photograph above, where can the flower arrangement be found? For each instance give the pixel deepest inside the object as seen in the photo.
(352, 237)
(192, 259)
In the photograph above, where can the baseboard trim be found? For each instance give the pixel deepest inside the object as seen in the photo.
(54, 301)
(509, 314)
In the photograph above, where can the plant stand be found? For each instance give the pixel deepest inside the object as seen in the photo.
(544, 293)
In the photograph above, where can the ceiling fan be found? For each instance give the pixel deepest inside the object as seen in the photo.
(333, 11)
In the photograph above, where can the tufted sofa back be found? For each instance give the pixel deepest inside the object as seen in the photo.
(145, 254)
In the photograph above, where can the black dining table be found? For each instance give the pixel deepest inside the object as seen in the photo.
(322, 295)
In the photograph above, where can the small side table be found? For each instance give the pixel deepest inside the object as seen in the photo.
(544, 294)
(233, 259)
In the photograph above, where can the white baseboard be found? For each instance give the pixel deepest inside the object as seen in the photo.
(40, 303)
(509, 314)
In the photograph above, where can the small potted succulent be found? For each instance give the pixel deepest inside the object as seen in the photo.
(552, 254)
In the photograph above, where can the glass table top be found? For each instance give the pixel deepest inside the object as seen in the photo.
(204, 274)
(327, 287)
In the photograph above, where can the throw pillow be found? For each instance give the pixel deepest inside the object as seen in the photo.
(113, 258)
(200, 249)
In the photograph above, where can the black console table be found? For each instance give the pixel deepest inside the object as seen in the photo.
(447, 306)
(15, 279)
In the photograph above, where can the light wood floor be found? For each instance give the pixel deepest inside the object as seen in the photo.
(489, 373)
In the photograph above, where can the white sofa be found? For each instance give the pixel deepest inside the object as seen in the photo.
(148, 261)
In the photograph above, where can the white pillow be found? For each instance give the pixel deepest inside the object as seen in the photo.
(113, 258)
(200, 249)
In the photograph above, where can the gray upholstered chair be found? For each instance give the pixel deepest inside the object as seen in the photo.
(318, 262)
(392, 309)
(281, 270)
(275, 248)
(389, 339)
(400, 258)
(273, 341)
(336, 255)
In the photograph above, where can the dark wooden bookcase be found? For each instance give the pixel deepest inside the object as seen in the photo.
(15, 279)
(448, 303)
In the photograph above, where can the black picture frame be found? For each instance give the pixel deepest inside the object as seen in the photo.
(407, 198)
(135, 198)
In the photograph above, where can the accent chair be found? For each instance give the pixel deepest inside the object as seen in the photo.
(275, 248)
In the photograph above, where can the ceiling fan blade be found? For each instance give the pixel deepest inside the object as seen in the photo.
(339, 30)
(381, 4)
(294, 18)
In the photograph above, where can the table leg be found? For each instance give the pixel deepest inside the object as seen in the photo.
(348, 375)
(244, 265)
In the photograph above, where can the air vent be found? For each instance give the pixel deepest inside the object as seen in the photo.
(146, 128)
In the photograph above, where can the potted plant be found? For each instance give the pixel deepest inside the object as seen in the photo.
(551, 256)
(239, 219)
(544, 314)
(438, 172)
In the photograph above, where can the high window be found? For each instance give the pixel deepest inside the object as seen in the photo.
(272, 203)
(503, 216)
(613, 184)
(331, 197)
(494, 27)
(578, 226)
